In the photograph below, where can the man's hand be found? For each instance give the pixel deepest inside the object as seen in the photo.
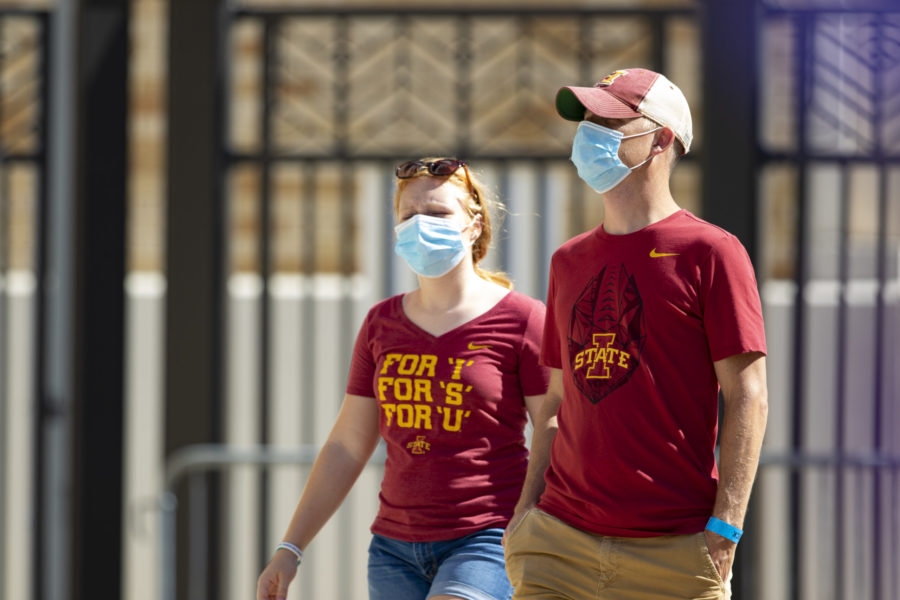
(722, 552)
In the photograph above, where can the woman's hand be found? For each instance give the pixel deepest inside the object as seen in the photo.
(273, 582)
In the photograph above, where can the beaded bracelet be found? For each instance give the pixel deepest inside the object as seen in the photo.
(290, 548)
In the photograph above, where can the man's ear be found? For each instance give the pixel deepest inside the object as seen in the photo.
(665, 137)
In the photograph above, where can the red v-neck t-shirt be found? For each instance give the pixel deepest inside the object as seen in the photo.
(452, 414)
(635, 322)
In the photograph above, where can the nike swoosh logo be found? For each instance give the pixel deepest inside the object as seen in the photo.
(472, 346)
(655, 254)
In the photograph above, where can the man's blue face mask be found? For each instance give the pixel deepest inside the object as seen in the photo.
(595, 152)
(431, 246)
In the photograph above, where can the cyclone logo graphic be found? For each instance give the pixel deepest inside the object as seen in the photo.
(606, 333)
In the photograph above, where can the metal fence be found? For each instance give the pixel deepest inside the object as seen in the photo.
(320, 104)
(341, 95)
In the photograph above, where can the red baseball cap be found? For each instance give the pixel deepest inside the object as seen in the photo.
(627, 94)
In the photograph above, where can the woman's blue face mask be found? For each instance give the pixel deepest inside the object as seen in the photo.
(595, 152)
(431, 246)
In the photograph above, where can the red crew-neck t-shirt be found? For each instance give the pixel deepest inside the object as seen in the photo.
(452, 415)
(635, 322)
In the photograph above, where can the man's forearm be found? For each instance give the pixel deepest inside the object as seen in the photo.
(743, 426)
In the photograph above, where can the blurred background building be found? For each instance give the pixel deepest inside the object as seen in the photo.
(195, 216)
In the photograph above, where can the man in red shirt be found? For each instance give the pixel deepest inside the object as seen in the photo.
(648, 316)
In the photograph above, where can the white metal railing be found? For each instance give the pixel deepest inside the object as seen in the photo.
(209, 458)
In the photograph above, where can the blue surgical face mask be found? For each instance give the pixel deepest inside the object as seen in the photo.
(595, 152)
(431, 246)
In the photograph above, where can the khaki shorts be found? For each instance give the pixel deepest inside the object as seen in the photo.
(547, 558)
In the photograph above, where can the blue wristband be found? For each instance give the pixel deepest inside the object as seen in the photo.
(729, 532)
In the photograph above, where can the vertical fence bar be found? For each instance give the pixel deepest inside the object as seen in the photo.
(196, 260)
(5, 237)
(223, 193)
(878, 373)
(198, 549)
(658, 41)
(217, 534)
(729, 122)
(729, 162)
(859, 524)
(463, 84)
(501, 236)
(309, 378)
(391, 280)
(42, 249)
(585, 58)
(308, 240)
(167, 551)
(345, 333)
(51, 432)
(841, 377)
(341, 60)
(895, 524)
(543, 247)
(881, 271)
(97, 415)
(264, 249)
(804, 25)
(745, 573)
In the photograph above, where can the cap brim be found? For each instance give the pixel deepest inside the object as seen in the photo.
(571, 103)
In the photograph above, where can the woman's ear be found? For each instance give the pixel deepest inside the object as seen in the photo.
(476, 226)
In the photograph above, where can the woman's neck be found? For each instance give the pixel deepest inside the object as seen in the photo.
(442, 304)
(453, 289)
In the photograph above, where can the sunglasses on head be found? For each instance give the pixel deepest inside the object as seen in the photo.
(440, 168)
(443, 167)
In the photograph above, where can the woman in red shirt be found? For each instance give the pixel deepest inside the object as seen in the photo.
(447, 375)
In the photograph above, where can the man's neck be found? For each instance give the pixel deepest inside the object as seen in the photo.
(635, 204)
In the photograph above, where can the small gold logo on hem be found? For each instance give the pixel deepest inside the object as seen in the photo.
(420, 446)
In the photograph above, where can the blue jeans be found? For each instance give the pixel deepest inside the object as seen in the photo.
(470, 567)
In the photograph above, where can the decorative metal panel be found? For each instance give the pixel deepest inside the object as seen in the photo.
(400, 84)
(850, 66)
